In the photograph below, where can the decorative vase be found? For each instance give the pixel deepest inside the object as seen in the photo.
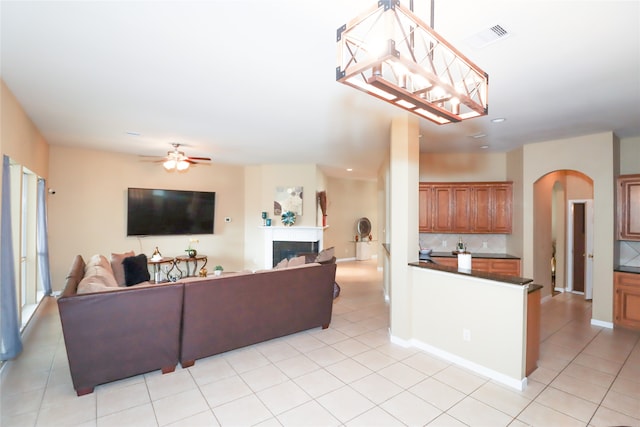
(192, 253)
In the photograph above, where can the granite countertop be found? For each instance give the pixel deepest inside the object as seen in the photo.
(625, 269)
(513, 280)
(473, 255)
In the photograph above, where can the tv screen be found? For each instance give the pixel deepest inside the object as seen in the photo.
(153, 212)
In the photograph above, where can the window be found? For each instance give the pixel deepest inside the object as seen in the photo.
(24, 214)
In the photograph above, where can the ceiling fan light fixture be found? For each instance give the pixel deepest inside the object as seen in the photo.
(169, 164)
(182, 165)
(418, 70)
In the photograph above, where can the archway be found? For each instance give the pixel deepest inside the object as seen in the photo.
(554, 194)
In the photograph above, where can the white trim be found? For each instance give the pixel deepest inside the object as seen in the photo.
(399, 341)
(601, 323)
(518, 384)
(561, 290)
(346, 259)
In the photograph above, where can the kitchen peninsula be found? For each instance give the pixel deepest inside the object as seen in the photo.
(486, 322)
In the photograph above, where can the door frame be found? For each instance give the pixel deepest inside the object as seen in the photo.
(588, 262)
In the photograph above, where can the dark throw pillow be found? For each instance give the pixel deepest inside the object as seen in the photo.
(135, 270)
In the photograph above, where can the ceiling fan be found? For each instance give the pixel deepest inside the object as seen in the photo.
(177, 160)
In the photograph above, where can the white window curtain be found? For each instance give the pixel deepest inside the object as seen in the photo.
(43, 238)
(10, 344)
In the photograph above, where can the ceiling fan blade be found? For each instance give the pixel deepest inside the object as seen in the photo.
(199, 158)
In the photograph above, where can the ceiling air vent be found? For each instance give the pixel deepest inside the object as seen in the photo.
(487, 36)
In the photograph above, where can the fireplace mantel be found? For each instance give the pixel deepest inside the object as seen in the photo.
(290, 234)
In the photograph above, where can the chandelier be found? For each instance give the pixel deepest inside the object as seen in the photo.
(388, 52)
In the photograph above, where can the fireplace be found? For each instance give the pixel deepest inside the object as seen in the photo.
(282, 250)
(290, 241)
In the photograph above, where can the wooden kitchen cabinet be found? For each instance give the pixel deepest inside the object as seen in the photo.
(507, 267)
(442, 209)
(533, 331)
(425, 216)
(461, 208)
(628, 207)
(465, 208)
(626, 305)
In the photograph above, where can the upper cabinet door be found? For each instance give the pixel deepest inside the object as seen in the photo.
(425, 217)
(442, 209)
(461, 212)
(629, 207)
(483, 204)
(501, 208)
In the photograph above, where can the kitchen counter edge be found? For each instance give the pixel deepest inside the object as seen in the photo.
(513, 280)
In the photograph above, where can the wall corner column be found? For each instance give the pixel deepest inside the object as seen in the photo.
(404, 177)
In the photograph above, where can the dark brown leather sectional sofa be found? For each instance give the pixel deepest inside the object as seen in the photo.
(129, 331)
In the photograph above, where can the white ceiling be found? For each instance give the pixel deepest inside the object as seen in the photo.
(253, 81)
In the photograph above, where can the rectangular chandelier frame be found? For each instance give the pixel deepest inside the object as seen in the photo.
(390, 53)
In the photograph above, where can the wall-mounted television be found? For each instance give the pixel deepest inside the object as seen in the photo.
(156, 212)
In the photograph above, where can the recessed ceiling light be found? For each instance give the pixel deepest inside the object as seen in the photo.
(478, 135)
(349, 170)
(498, 120)
(133, 133)
(484, 147)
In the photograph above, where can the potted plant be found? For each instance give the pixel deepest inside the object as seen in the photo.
(218, 270)
(191, 251)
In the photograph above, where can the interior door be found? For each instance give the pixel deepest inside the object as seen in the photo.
(579, 247)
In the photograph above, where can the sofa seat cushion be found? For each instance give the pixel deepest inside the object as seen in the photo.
(136, 270)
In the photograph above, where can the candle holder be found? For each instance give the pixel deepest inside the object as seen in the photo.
(264, 219)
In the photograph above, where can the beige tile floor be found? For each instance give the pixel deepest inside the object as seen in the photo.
(349, 374)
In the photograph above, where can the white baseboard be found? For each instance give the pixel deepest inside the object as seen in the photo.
(345, 259)
(561, 290)
(518, 384)
(601, 323)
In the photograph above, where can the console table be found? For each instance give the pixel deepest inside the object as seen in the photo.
(187, 261)
(157, 272)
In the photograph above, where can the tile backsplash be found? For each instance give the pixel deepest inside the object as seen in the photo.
(476, 243)
(629, 253)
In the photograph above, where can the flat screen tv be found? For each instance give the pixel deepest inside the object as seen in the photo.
(154, 212)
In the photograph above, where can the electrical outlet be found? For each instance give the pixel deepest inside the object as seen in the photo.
(444, 243)
(466, 335)
(485, 245)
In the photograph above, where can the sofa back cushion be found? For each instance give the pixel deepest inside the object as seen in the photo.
(117, 267)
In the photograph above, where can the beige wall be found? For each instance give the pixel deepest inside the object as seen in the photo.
(457, 302)
(403, 209)
(460, 167)
(592, 155)
(630, 156)
(260, 184)
(19, 137)
(348, 200)
(515, 168)
(87, 215)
